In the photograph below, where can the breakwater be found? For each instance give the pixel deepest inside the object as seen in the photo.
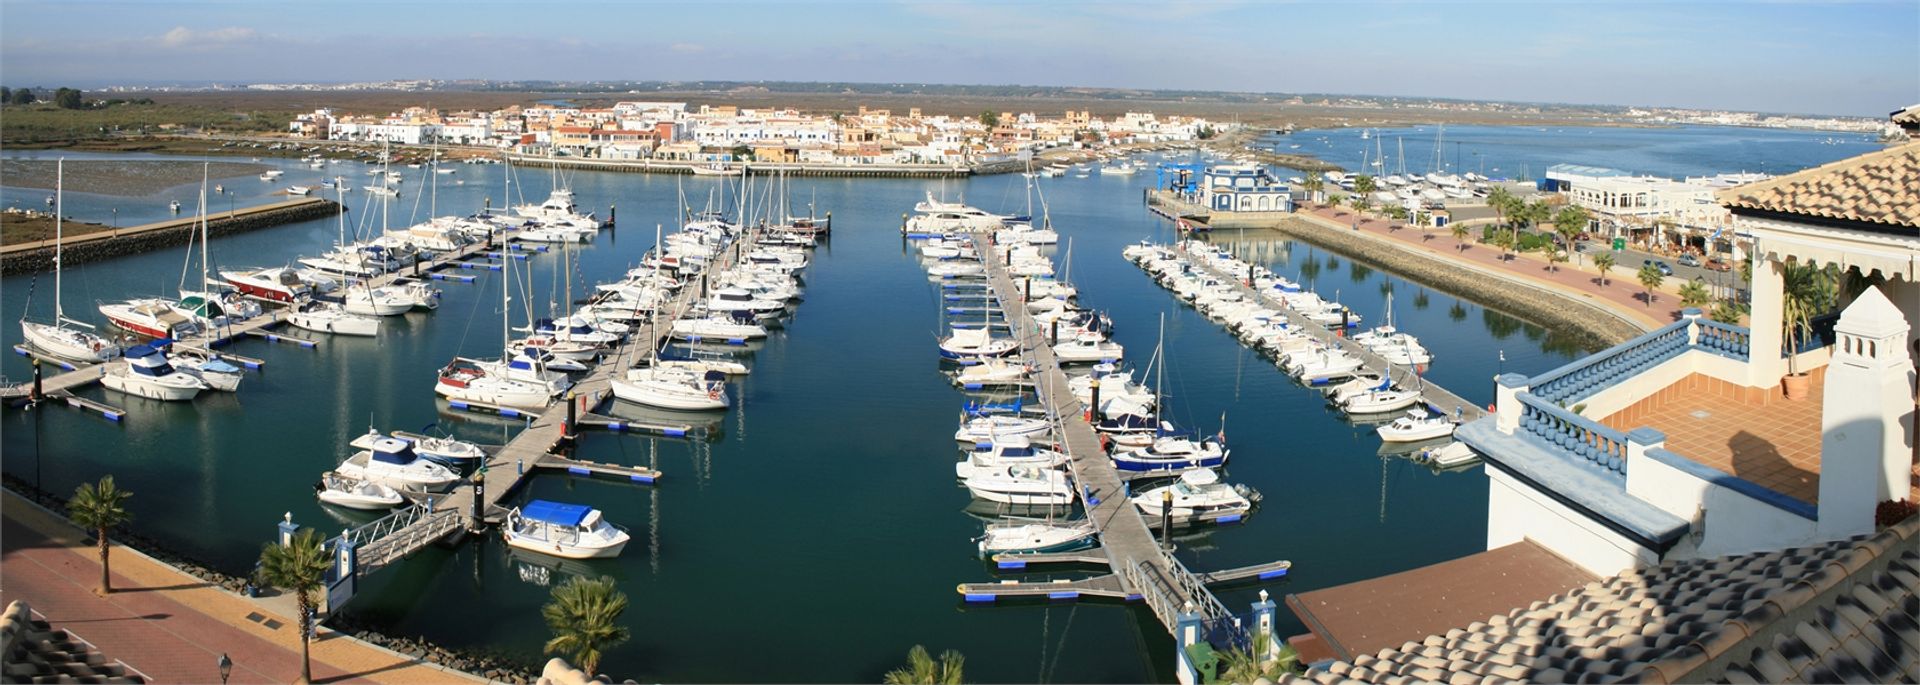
(653, 166)
(38, 256)
(1591, 326)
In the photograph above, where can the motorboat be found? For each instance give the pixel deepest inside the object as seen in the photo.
(1173, 453)
(1381, 401)
(1036, 537)
(1449, 455)
(1023, 485)
(1366, 382)
(976, 342)
(151, 317)
(392, 462)
(382, 301)
(465, 380)
(208, 367)
(1319, 367)
(355, 493)
(456, 454)
(327, 317)
(1088, 347)
(1130, 430)
(568, 531)
(983, 429)
(300, 190)
(148, 374)
(1416, 426)
(279, 284)
(668, 387)
(1004, 451)
(992, 372)
(738, 325)
(558, 210)
(1198, 495)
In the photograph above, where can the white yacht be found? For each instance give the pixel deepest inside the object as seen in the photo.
(1088, 348)
(1023, 485)
(148, 374)
(1414, 427)
(568, 531)
(975, 342)
(327, 317)
(981, 430)
(1035, 537)
(668, 387)
(1005, 451)
(464, 380)
(1198, 495)
(209, 368)
(393, 463)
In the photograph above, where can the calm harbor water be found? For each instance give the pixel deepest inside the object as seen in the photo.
(1525, 152)
(819, 528)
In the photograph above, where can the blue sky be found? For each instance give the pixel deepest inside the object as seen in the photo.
(1817, 57)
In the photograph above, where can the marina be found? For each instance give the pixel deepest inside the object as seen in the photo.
(783, 445)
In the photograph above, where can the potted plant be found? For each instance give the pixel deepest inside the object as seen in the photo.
(1806, 291)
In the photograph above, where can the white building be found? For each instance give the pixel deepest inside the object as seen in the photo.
(1648, 209)
(1704, 439)
(1243, 188)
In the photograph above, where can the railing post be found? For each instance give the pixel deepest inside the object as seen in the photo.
(1507, 401)
(1186, 632)
(1267, 642)
(287, 529)
(1692, 316)
(1639, 440)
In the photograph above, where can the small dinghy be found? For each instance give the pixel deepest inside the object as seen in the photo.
(354, 493)
(568, 531)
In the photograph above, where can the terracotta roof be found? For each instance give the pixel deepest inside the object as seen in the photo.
(1907, 118)
(1879, 187)
(1841, 611)
(31, 651)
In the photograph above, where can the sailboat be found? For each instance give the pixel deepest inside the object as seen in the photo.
(469, 380)
(77, 342)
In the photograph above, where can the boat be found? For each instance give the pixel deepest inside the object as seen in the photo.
(715, 169)
(465, 380)
(1381, 401)
(151, 317)
(938, 217)
(299, 190)
(272, 174)
(382, 301)
(1173, 453)
(737, 325)
(65, 337)
(1415, 427)
(354, 493)
(558, 209)
(1035, 537)
(148, 374)
(1003, 451)
(1198, 495)
(208, 367)
(568, 531)
(1448, 455)
(992, 372)
(1088, 347)
(668, 387)
(976, 342)
(982, 429)
(392, 462)
(327, 317)
(278, 284)
(1117, 170)
(1023, 485)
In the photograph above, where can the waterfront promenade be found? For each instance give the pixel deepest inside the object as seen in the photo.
(172, 626)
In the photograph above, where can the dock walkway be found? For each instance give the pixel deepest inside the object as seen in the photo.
(1141, 568)
(1439, 399)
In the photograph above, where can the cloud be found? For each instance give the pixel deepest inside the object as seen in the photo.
(183, 37)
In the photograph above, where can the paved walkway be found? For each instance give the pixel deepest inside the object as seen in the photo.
(1622, 291)
(168, 625)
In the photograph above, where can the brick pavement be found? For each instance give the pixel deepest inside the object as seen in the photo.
(169, 625)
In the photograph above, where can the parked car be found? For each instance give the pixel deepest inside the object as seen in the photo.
(1665, 268)
(1718, 264)
(1689, 260)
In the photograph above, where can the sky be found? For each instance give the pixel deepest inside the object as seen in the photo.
(1845, 58)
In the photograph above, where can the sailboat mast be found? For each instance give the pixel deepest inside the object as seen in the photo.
(59, 202)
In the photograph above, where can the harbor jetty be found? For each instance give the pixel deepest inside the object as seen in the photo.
(100, 245)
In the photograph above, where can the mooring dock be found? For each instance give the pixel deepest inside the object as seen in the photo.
(1140, 568)
(1436, 398)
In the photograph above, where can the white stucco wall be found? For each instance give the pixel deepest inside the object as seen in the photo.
(1516, 512)
(1734, 522)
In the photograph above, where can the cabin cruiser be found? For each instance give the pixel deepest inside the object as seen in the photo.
(558, 210)
(208, 367)
(392, 462)
(975, 342)
(152, 317)
(568, 531)
(1035, 537)
(1414, 427)
(738, 325)
(148, 374)
(279, 284)
(992, 372)
(1197, 496)
(942, 217)
(1088, 347)
(983, 429)
(740, 299)
(1173, 453)
(1447, 456)
(327, 317)
(1004, 451)
(1381, 401)
(382, 301)
(1023, 485)
(354, 493)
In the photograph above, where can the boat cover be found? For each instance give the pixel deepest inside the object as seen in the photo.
(555, 512)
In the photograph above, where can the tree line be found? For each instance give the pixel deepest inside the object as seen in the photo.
(64, 98)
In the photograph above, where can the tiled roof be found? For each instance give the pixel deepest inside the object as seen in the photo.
(1842, 611)
(1879, 187)
(1907, 118)
(33, 652)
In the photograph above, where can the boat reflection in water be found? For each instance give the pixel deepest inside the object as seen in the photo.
(701, 425)
(544, 570)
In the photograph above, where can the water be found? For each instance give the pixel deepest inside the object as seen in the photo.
(822, 520)
(1523, 152)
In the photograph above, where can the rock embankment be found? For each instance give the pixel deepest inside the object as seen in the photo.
(135, 241)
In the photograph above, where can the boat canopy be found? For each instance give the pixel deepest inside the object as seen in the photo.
(556, 513)
(392, 451)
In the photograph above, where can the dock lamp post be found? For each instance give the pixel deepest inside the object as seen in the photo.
(226, 668)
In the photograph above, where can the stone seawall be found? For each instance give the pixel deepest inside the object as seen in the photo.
(1592, 326)
(132, 241)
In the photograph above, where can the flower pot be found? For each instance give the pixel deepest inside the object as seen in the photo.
(1796, 385)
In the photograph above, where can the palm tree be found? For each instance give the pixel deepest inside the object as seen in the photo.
(1242, 665)
(1651, 277)
(299, 567)
(584, 615)
(1459, 237)
(922, 670)
(1364, 184)
(1499, 199)
(99, 507)
(1727, 311)
(1313, 185)
(1529, 215)
(1359, 201)
(1553, 254)
(1569, 222)
(1806, 291)
(1604, 262)
(1694, 294)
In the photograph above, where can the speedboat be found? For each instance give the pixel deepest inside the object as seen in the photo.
(1034, 537)
(148, 374)
(1197, 496)
(280, 284)
(464, 380)
(1414, 427)
(1088, 347)
(392, 462)
(355, 493)
(1173, 453)
(327, 317)
(568, 531)
(975, 342)
(668, 387)
(153, 317)
(1004, 451)
(1023, 484)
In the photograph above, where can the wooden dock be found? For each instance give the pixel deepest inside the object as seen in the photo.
(1141, 568)
(1436, 398)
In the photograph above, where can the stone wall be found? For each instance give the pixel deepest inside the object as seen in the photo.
(134, 243)
(1593, 327)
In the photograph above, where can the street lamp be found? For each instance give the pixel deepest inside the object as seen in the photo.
(226, 668)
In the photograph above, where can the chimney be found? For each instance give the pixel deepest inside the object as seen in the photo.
(1864, 439)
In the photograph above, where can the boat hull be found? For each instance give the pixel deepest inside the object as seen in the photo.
(563, 551)
(151, 389)
(68, 344)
